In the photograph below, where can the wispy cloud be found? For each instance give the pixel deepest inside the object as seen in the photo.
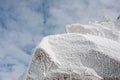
(24, 22)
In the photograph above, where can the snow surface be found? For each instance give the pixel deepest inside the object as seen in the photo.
(85, 52)
(106, 30)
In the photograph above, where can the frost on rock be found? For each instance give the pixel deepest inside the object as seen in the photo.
(85, 52)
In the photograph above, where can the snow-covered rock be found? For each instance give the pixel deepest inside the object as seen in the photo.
(75, 56)
(85, 52)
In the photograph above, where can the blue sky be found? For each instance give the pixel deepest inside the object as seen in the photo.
(23, 23)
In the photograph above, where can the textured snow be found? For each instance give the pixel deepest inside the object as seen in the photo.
(85, 52)
(84, 56)
(104, 29)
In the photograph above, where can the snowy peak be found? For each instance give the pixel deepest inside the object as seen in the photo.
(85, 52)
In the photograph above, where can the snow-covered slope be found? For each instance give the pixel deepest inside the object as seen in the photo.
(85, 52)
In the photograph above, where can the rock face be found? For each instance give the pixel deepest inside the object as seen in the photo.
(84, 53)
